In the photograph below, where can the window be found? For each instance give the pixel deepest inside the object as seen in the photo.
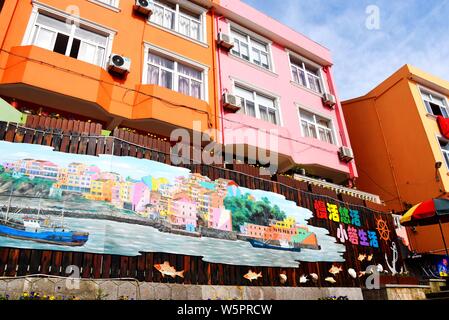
(258, 105)
(444, 145)
(306, 75)
(110, 3)
(69, 39)
(435, 105)
(250, 49)
(316, 127)
(174, 75)
(179, 19)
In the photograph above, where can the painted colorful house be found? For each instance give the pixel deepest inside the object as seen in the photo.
(407, 160)
(278, 93)
(221, 219)
(184, 212)
(37, 169)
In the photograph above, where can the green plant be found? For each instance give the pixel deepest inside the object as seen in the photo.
(4, 297)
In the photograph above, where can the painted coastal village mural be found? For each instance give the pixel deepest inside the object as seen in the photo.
(122, 205)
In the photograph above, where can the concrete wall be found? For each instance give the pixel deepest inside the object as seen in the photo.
(112, 290)
(397, 292)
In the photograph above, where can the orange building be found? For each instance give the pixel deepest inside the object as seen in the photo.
(166, 62)
(400, 151)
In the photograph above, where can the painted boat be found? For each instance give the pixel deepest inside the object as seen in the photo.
(266, 245)
(42, 235)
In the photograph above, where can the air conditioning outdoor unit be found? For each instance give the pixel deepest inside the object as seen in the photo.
(119, 64)
(329, 100)
(231, 102)
(144, 7)
(225, 41)
(346, 154)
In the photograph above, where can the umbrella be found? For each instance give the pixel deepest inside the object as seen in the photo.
(430, 212)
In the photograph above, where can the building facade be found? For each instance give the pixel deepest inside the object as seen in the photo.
(399, 147)
(282, 81)
(170, 82)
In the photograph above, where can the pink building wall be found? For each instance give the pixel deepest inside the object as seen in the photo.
(184, 213)
(220, 219)
(295, 148)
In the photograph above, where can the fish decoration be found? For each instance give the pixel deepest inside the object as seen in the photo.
(370, 257)
(167, 270)
(252, 275)
(303, 279)
(283, 278)
(335, 270)
(314, 276)
(352, 273)
(330, 280)
(380, 268)
(361, 257)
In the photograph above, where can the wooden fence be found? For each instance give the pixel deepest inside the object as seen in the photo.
(84, 138)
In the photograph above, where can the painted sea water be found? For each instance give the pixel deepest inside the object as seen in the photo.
(110, 237)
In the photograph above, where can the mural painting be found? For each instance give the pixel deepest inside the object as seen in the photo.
(123, 206)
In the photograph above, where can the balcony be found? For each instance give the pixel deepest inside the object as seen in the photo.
(55, 81)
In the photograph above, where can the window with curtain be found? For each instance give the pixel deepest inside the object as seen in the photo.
(174, 75)
(250, 49)
(306, 75)
(69, 39)
(112, 3)
(257, 105)
(316, 127)
(177, 18)
(435, 104)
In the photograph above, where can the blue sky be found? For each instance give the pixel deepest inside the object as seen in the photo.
(411, 31)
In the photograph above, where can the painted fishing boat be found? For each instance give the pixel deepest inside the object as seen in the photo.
(275, 245)
(39, 230)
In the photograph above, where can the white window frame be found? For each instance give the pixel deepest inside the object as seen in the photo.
(320, 76)
(423, 90)
(114, 6)
(40, 8)
(443, 152)
(261, 92)
(177, 59)
(334, 142)
(250, 35)
(177, 13)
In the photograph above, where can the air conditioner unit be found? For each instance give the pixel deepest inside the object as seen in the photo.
(329, 100)
(231, 102)
(225, 41)
(144, 7)
(119, 64)
(346, 154)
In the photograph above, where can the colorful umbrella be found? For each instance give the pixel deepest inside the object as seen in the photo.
(431, 212)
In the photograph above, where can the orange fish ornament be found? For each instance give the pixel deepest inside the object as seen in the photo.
(252, 276)
(167, 270)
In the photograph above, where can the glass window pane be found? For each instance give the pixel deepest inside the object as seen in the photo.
(183, 85)
(258, 45)
(196, 89)
(307, 116)
(158, 15)
(87, 52)
(272, 116)
(100, 56)
(153, 75)
(265, 101)
(160, 61)
(90, 36)
(255, 56)
(184, 26)
(245, 94)
(250, 109)
(244, 51)
(46, 39)
(59, 25)
(166, 79)
(169, 19)
(263, 113)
